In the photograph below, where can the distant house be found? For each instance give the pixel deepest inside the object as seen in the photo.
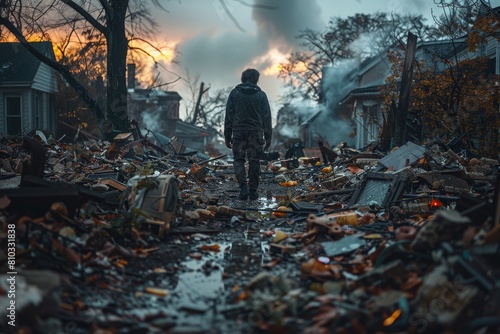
(287, 124)
(158, 111)
(297, 123)
(154, 110)
(27, 89)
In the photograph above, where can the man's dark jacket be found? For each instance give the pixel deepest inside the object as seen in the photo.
(247, 108)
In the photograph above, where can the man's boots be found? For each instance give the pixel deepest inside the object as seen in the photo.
(243, 192)
(253, 195)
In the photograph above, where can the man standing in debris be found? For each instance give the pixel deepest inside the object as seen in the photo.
(247, 129)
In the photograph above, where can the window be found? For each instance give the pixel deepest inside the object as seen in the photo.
(371, 126)
(13, 115)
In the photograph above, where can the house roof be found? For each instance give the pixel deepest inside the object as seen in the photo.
(372, 91)
(310, 118)
(437, 48)
(138, 94)
(17, 64)
(189, 130)
(443, 48)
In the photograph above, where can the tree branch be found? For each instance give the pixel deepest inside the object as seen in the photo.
(228, 13)
(86, 15)
(108, 9)
(167, 83)
(257, 6)
(157, 3)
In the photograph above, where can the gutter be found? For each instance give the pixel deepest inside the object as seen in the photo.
(352, 95)
(8, 84)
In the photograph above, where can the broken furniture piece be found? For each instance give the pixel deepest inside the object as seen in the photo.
(155, 195)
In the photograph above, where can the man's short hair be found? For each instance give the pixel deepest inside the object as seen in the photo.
(250, 75)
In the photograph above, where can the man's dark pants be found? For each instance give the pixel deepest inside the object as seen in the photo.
(247, 144)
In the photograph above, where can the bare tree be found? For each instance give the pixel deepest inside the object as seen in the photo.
(212, 108)
(205, 107)
(192, 82)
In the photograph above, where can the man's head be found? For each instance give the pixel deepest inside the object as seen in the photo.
(250, 75)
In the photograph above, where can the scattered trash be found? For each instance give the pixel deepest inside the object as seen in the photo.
(141, 233)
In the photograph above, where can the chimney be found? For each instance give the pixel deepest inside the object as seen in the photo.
(131, 76)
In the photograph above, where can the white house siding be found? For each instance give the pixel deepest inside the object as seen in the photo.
(45, 80)
(491, 47)
(47, 113)
(493, 52)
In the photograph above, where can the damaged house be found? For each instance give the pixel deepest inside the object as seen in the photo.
(326, 122)
(365, 102)
(157, 111)
(27, 90)
(295, 123)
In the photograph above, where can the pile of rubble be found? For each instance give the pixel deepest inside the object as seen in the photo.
(352, 242)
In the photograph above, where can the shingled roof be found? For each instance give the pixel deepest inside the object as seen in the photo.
(17, 65)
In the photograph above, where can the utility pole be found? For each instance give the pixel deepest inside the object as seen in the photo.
(399, 134)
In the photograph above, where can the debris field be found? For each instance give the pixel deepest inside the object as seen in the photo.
(131, 236)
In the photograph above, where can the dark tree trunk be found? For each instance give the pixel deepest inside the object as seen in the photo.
(116, 104)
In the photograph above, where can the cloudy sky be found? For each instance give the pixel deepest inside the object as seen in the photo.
(214, 47)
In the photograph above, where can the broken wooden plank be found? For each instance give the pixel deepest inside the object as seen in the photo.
(406, 155)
